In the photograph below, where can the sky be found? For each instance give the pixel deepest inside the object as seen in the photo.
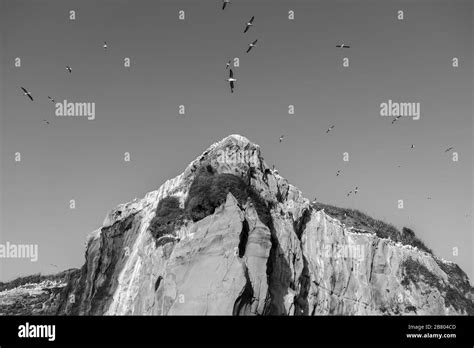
(182, 62)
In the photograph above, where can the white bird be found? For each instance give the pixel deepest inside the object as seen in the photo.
(224, 3)
(105, 45)
(281, 138)
(249, 24)
(252, 45)
(26, 93)
(52, 100)
(396, 119)
(68, 68)
(343, 46)
(449, 149)
(330, 129)
(231, 80)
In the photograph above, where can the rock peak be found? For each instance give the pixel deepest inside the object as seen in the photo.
(253, 245)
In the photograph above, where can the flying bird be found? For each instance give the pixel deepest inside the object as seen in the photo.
(343, 46)
(52, 100)
(412, 146)
(396, 119)
(26, 93)
(252, 45)
(449, 149)
(349, 194)
(68, 68)
(105, 45)
(356, 189)
(224, 3)
(338, 173)
(281, 138)
(249, 24)
(231, 80)
(330, 129)
(227, 66)
(46, 122)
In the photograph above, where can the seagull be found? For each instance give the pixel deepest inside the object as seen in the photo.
(105, 45)
(330, 129)
(52, 100)
(251, 45)
(338, 173)
(231, 80)
(249, 24)
(356, 190)
(68, 68)
(396, 119)
(227, 66)
(46, 122)
(449, 149)
(349, 194)
(281, 138)
(26, 93)
(412, 146)
(343, 46)
(224, 3)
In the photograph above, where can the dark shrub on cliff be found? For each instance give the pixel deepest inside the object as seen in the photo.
(409, 238)
(168, 217)
(359, 220)
(209, 190)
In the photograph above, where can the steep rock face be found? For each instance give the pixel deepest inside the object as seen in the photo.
(369, 276)
(289, 260)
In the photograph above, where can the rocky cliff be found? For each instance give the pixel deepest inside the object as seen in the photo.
(258, 248)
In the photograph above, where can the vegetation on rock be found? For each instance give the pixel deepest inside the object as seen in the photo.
(209, 190)
(169, 216)
(416, 273)
(363, 222)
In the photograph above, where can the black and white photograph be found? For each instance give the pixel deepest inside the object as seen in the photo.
(180, 163)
